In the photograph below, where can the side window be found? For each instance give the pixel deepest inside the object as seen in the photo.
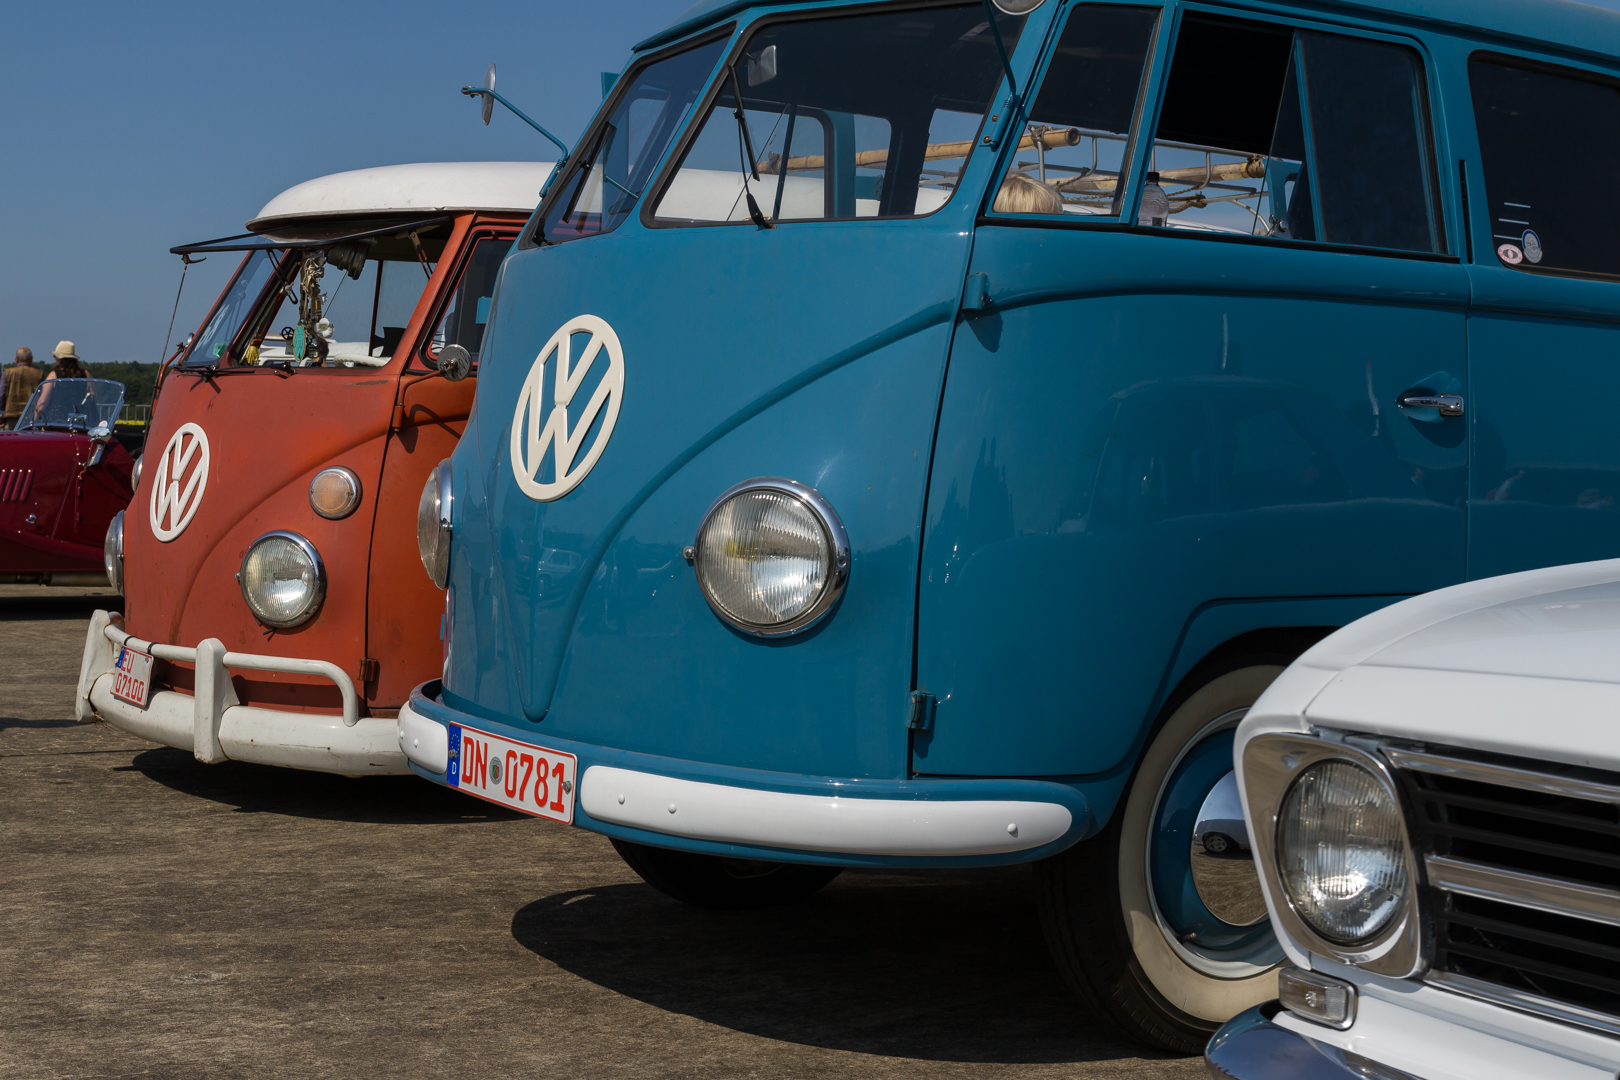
(1071, 157)
(466, 313)
(1539, 133)
(1311, 137)
(849, 117)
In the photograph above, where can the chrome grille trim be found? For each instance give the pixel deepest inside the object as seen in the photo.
(1546, 1008)
(1505, 775)
(1552, 895)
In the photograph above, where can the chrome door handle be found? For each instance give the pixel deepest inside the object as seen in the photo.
(1444, 404)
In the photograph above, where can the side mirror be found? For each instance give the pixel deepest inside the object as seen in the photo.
(762, 68)
(489, 100)
(455, 363)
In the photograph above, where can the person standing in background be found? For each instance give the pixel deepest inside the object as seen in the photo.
(67, 367)
(17, 386)
(67, 363)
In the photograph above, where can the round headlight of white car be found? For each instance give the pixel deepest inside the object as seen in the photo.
(433, 524)
(282, 579)
(1341, 851)
(112, 552)
(771, 556)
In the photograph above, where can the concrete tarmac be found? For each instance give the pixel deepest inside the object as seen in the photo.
(164, 918)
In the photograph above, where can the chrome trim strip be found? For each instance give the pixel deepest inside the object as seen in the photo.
(1552, 895)
(1528, 1003)
(1505, 775)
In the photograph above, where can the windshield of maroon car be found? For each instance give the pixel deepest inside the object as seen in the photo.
(72, 405)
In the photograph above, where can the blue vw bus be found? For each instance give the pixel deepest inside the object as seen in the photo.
(913, 434)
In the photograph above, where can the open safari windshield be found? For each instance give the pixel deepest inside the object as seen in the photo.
(346, 305)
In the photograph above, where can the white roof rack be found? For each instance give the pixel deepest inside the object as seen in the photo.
(426, 186)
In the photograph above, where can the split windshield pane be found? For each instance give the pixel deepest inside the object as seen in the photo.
(606, 179)
(850, 117)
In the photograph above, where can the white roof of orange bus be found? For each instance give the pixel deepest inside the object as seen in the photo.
(426, 186)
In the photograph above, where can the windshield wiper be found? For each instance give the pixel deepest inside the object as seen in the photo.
(745, 146)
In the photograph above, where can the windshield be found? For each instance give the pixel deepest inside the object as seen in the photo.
(855, 116)
(343, 306)
(73, 405)
(605, 181)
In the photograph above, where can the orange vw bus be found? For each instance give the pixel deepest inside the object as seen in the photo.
(275, 609)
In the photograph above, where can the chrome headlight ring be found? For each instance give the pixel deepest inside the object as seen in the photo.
(1271, 764)
(112, 552)
(433, 523)
(315, 593)
(802, 502)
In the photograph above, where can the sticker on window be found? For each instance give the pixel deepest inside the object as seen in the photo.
(1510, 254)
(1532, 246)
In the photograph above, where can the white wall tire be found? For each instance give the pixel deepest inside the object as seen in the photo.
(1098, 910)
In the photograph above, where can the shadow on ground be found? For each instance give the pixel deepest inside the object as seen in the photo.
(264, 789)
(943, 966)
(19, 608)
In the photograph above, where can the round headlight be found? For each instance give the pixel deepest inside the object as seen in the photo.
(112, 552)
(433, 524)
(282, 579)
(771, 556)
(1341, 851)
(334, 493)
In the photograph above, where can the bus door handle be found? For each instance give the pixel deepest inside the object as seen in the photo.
(1444, 404)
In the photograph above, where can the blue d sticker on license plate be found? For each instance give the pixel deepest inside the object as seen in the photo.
(132, 679)
(524, 776)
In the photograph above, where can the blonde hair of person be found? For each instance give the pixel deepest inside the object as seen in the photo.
(1021, 195)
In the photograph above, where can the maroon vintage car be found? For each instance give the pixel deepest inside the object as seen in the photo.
(65, 473)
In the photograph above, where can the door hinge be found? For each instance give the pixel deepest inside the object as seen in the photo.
(923, 705)
(368, 670)
(397, 421)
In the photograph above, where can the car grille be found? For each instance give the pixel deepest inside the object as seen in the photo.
(15, 483)
(1522, 860)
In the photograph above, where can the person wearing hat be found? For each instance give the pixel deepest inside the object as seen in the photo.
(67, 363)
(17, 386)
(67, 367)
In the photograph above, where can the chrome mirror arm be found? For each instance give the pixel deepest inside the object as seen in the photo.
(479, 91)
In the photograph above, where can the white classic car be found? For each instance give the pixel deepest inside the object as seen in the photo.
(1434, 800)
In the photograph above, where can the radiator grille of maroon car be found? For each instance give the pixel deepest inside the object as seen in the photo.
(1522, 860)
(14, 484)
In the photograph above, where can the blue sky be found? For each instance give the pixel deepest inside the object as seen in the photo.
(128, 128)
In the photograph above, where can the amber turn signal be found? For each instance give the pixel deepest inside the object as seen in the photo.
(334, 493)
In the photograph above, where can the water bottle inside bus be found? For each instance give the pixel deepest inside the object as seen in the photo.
(1155, 207)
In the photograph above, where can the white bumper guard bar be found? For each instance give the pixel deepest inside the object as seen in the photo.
(215, 726)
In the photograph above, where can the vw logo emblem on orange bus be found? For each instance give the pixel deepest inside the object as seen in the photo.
(177, 489)
(533, 435)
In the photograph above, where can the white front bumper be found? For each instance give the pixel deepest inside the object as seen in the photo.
(215, 727)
